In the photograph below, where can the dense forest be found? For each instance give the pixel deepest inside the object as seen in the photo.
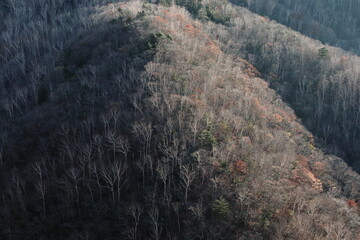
(336, 22)
(182, 119)
(320, 82)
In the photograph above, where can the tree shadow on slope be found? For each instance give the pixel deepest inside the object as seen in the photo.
(97, 71)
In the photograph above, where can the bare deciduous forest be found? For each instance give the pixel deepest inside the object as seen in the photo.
(334, 22)
(178, 120)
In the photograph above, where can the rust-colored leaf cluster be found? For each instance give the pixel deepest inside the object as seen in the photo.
(303, 175)
(277, 118)
(353, 204)
(240, 167)
(249, 69)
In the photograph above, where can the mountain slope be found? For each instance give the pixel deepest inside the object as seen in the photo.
(320, 82)
(145, 128)
(332, 22)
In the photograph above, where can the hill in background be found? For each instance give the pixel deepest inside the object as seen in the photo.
(333, 22)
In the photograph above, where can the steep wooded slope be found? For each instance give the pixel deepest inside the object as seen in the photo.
(320, 82)
(333, 22)
(146, 129)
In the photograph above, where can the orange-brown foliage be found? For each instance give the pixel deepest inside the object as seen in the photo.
(174, 16)
(259, 108)
(303, 175)
(264, 18)
(198, 90)
(160, 20)
(277, 118)
(303, 161)
(166, 12)
(190, 29)
(211, 49)
(344, 58)
(240, 167)
(196, 99)
(319, 168)
(353, 204)
(287, 117)
(249, 69)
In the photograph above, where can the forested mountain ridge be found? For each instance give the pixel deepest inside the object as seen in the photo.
(321, 83)
(149, 124)
(334, 22)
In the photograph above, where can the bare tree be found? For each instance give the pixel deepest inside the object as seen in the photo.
(18, 186)
(123, 145)
(155, 223)
(8, 106)
(141, 164)
(143, 131)
(41, 191)
(135, 212)
(163, 171)
(187, 177)
(73, 175)
(95, 171)
(117, 143)
(114, 176)
(87, 153)
(176, 209)
(1, 154)
(105, 118)
(98, 141)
